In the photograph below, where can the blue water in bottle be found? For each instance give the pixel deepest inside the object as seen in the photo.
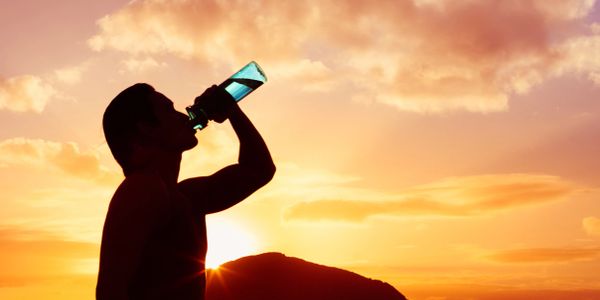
(238, 85)
(244, 81)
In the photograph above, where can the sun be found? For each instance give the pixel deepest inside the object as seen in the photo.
(227, 241)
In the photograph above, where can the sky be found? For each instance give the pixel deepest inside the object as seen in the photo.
(446, 147)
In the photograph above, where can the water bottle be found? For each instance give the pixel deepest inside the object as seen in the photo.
(238, 85)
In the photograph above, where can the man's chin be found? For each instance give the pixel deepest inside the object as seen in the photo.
(191, 144)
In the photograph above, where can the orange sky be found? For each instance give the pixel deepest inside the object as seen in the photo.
(447, 147)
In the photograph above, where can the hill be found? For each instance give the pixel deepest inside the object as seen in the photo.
(274, 276)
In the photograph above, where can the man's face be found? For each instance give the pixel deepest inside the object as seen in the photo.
(173, 130)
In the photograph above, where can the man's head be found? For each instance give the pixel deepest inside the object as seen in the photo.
(141, 118)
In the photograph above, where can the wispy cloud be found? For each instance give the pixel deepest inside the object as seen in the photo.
(141, 65)
(543, 255)
(25, 93)
(581, 55)
(65, 156)
(458, 196)
(30, 255)
(72, 74)
(591, 225)
(422, 56)
(217, 148)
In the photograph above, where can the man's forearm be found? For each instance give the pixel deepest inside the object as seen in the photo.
(253, 150)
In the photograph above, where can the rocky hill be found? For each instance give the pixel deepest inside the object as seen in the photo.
(274, 276)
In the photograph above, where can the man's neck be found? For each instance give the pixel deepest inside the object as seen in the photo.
(168, 168)
(166, 164)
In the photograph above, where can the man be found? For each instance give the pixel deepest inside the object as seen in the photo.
(154, 237)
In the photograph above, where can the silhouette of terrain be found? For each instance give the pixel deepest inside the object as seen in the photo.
(274, 276)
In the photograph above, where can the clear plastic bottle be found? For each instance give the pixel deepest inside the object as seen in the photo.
(238, 85)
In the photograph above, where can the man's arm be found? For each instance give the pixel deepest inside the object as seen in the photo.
(137, 208)
(234, 183)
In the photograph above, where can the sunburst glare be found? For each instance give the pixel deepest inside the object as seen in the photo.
(227, 241)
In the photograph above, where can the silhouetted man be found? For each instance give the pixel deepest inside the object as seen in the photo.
(154, 238)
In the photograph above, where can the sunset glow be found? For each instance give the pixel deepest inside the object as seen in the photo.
(447, 147)
(226, 242)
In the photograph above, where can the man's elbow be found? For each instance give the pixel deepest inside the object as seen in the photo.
(266, 175)
(272, 170)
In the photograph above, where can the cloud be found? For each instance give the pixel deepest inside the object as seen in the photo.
(65, 156)
(71, 75)
(591, 225)
(141, 65)
(542, 255)
(217, 148)
(200, 29)
(581, 55)
(29, 255)
(458, 196)
(421, 56)
(296, 183)
(314, 75)
(25, 93)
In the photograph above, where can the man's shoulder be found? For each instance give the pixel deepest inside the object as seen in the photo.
(139, 206)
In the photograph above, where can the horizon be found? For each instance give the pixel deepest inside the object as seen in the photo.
(448, 148)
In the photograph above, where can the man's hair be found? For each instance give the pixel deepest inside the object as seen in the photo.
(124, 112)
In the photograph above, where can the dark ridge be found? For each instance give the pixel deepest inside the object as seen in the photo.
(274, 276)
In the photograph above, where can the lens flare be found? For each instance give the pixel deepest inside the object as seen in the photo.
(227, 241)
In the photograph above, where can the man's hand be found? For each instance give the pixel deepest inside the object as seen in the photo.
(216, 103)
